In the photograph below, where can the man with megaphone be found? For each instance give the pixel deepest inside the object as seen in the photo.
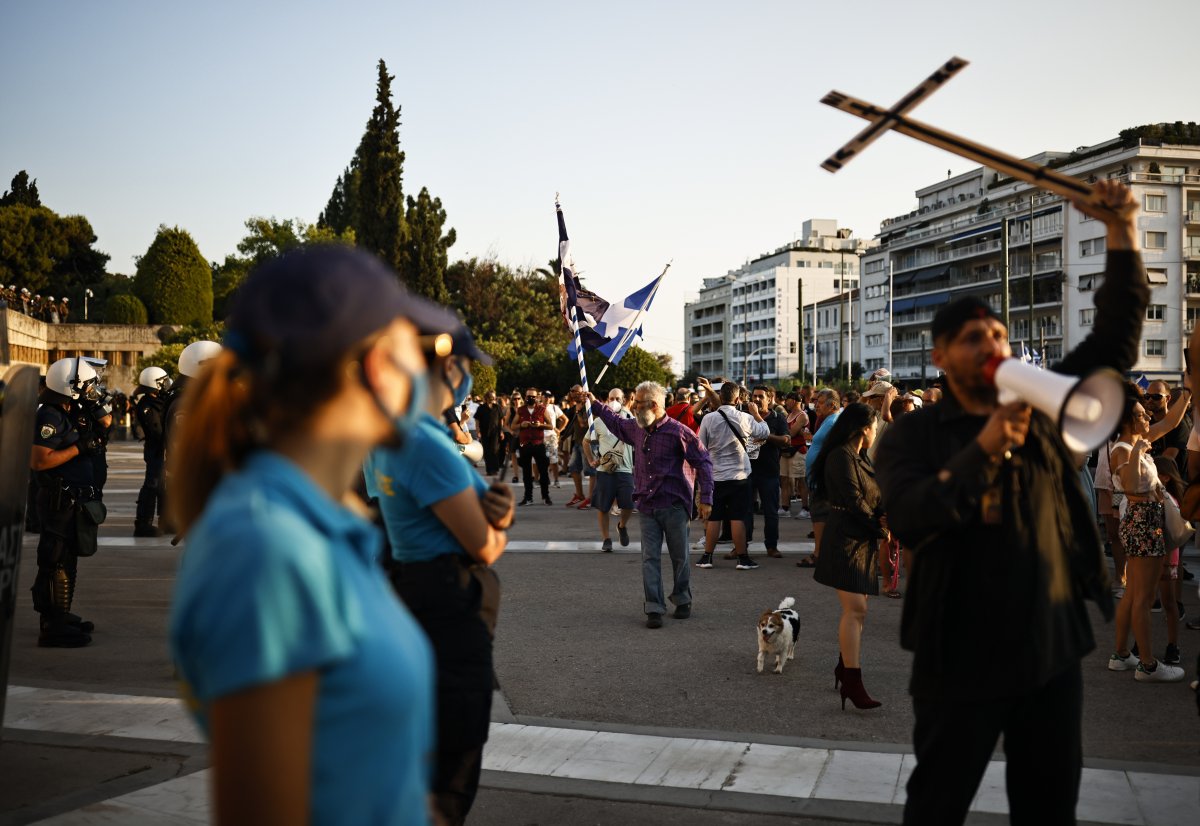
(985, 488)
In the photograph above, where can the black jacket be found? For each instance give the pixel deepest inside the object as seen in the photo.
(848, 558)
(996, 610)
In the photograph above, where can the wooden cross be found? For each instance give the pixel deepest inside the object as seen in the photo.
(896, 118)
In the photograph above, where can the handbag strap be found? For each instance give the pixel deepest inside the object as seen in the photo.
(741, 439)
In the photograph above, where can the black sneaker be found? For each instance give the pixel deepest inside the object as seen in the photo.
(654, 620)
(546, 501)
(705, 561)
(683, 611)
(606, 546)
(745, 563)
(623, 533)
(1172, 655)
(62, 634)
(524, 502)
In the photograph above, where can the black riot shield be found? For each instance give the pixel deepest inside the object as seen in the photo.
(18, 404)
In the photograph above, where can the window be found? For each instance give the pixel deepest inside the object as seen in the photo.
(1156, 346)
(1156, 240)
(1092, 246)
(1156, 203)
(1156, 312)
(1173, 174)
(1156, 275)
(1086, 317)
(1087, 282)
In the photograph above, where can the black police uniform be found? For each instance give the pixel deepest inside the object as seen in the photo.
(149, 408)
(61, 491)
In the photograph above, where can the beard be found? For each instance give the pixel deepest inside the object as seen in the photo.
(645, 419)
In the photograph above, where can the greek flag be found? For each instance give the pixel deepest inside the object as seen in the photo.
(608, 327)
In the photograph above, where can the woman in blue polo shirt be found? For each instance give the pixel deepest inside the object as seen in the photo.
(312, 682)
(445, 527)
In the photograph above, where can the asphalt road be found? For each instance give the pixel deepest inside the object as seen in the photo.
(571, 646)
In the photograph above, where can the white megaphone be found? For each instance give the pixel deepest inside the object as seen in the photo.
(1086, 409)
(473, 451)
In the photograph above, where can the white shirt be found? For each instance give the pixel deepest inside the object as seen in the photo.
(553, 411)
(609, 443)
(729, 459)
(471, 408)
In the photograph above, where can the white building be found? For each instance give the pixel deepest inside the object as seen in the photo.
(952, 245)
(747, 322)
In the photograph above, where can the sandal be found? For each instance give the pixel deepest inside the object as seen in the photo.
(892, 594)
(807, 562)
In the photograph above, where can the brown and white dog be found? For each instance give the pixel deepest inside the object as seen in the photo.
(778, 631)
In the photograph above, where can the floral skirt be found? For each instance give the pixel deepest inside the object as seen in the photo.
(1142, 529)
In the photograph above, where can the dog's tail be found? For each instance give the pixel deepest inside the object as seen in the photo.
(787, 603)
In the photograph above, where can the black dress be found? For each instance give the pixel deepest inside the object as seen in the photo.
(848, 558)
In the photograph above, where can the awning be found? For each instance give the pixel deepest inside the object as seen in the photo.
(932, 300)
(932, 273)
(903, 305)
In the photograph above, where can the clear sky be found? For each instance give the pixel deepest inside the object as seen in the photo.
(685, 130)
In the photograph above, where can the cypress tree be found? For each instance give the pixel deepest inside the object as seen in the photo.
(379, 223)
(426, 250)
(174, 281)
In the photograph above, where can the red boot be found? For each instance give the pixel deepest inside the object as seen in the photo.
(852, 688)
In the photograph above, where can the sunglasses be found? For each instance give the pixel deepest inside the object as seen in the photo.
(1157, 397)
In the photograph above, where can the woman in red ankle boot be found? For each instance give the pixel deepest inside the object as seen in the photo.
(848, 559)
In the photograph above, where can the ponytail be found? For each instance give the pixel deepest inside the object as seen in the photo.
(213, 438)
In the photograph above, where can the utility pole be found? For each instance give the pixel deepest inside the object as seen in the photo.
(1031, 272)
(800, 317)
(890, 306)
(1004, 273)
(921, 383)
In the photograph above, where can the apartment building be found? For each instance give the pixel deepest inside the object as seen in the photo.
(747, 322)
(967, 230)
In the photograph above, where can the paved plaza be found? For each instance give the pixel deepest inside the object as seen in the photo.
(597, 719)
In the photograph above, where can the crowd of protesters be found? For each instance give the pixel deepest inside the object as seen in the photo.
(44, 308)
(367, 688)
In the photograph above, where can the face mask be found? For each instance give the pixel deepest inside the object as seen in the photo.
(531, 400)
(404, 421)
(464, 387)
(614, 406)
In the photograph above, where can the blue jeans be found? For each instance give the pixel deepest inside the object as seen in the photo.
(767, 487)
(670, 524)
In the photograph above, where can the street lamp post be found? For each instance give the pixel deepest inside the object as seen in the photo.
(86, 295)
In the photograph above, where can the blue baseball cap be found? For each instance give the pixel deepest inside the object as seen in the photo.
(310, 307)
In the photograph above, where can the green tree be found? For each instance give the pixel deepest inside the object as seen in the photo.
(24, 192)
(125, 309)
(426, 249)
(513, 307)
(636, 366)
(341, 212)
(380, 224)
(31, 245)
(173, 280)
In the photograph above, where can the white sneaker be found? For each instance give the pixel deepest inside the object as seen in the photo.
(784, 512)
(1118, 663)
(1162, 673)
(804, 514)
(698, 545)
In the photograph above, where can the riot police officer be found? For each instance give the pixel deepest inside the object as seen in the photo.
(149, 407)
(191, 360)
(67, 500)
(92, 415)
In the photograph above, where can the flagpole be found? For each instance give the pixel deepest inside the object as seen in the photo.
(563, 265)
(632, 330)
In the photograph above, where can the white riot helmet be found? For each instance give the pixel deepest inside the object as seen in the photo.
(155, 378)
(72, 377)
(194, 355)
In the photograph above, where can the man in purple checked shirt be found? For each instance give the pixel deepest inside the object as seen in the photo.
(661, 492)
